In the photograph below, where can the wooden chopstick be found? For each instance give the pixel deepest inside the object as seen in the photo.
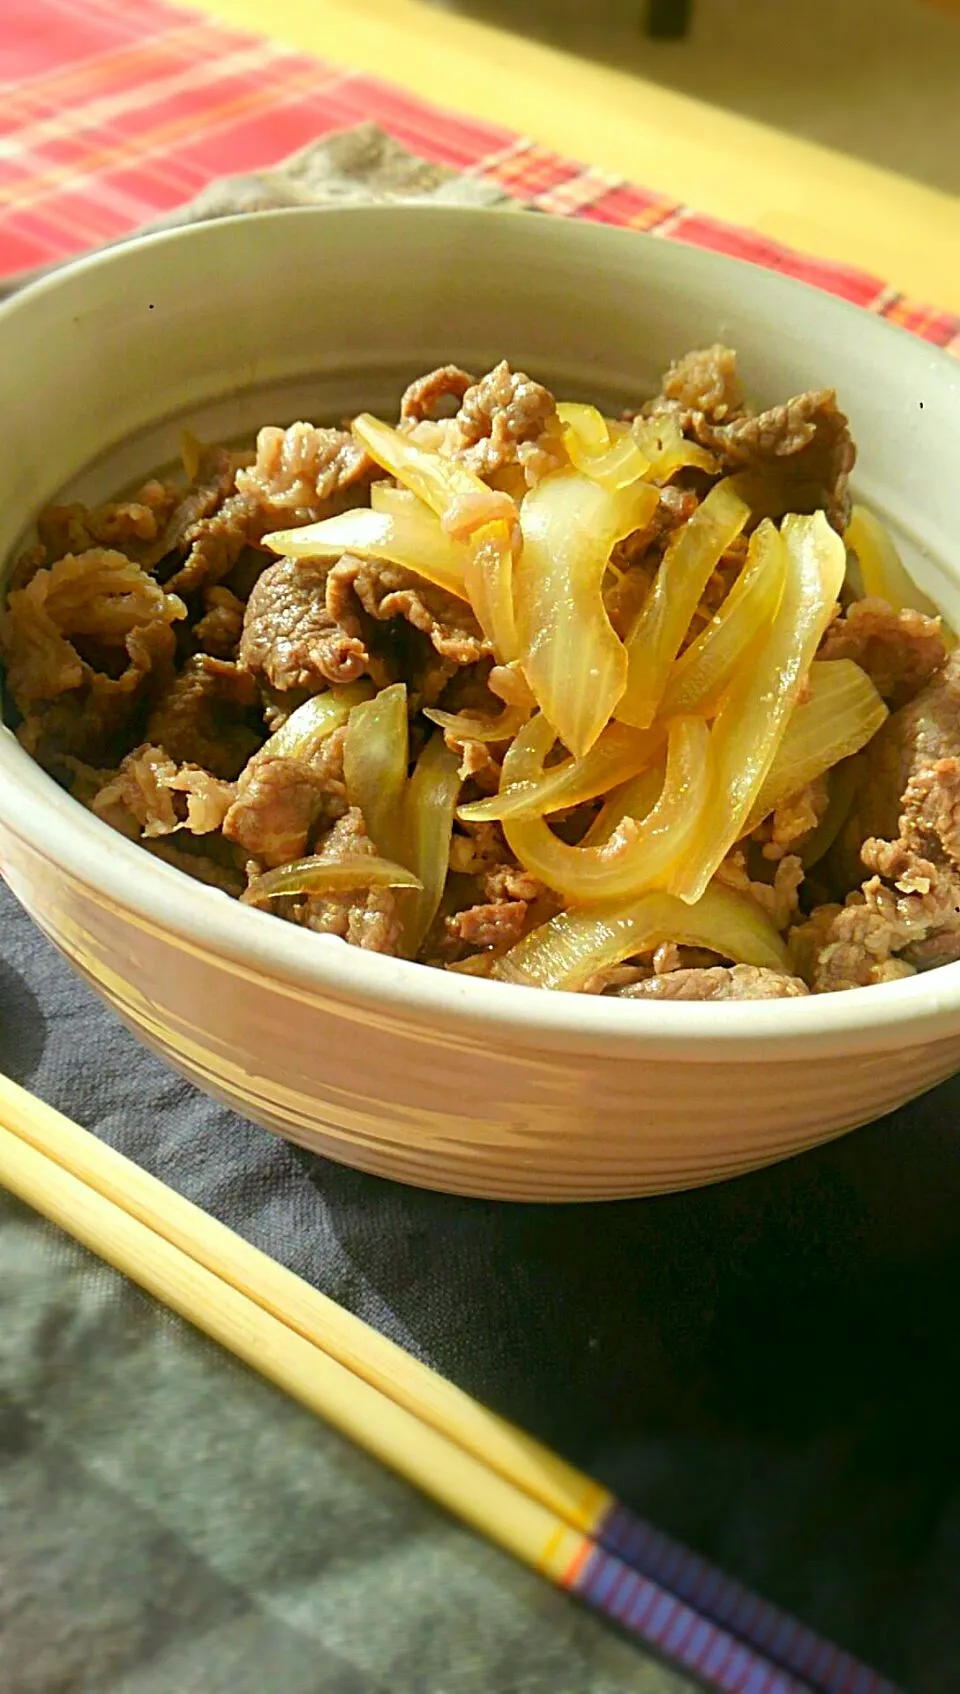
(480, 1467)
(455, 1479)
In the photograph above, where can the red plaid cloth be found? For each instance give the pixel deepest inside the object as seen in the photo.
(113, 111)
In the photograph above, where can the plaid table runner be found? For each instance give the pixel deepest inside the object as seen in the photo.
(115, 111)
(167, 1524)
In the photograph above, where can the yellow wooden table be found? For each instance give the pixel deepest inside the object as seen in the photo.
(729, 167)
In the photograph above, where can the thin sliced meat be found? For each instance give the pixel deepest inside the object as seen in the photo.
(422, 397)
(368, 919)
(219, 630)
(300, 475)
(152, 795)
(906, 815)
(96, 602)
(291, 639)
(900, 651)
(387, 591)
(507, 419)
(208, 716)
(720, 982)
(133, 525)
(281, 801)
(705, 382)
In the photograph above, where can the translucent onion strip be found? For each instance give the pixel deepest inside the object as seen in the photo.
(617, 754)
(668, 451)
(317, 875)
(691, 557)
(611, 456)
(488, 575)
(317, 718)
(461, 501)
(756, 708)
(641, 854)
(387, 497)
(702, 672)
(574, 661)
(428, 810)
(568, 950)
(842, 712)
(413, 539)
(375, 761)
(882, 571)
(465, 727)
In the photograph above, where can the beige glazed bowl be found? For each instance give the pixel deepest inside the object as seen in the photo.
(441, 1080)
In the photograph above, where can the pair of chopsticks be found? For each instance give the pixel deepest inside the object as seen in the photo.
(479, 1467)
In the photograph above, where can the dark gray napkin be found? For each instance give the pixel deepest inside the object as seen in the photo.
(762, 1368)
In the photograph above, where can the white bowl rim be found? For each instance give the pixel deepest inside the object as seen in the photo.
(911, 1012)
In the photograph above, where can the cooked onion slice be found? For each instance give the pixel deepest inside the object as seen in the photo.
(388, 497)
(607, 453)
(700, 675)
(375, 760)
(488, 575)
(317, 875)
(756, 708)
(639, 855)
(691, 557)
(617, 754)
(461, 501)
(428, 810)
(413, 539)
(664, 445)
(839, 716)
(568, 950)
(317, 718)
(882, 572)
(574, 661)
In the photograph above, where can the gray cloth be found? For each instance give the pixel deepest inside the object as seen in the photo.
(761, 1368)
(362, 166)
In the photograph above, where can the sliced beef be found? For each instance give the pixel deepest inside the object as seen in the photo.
(797, 456)
(507, 419)
(365, 918)
(780, 899)
(387, 591)
(299, 475)
(133, 525)
(910, 789)
(900, 651)
(720, 982)
(906, 814)
(208, 716)
(793, 820)
(704, 383)
(495, 925)
(92, 611)
(291, 639)
(422, 397)
(280, 801)
(219, 630)
(152, 795)
(212, 484)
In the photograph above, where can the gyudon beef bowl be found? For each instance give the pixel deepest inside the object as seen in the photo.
(497, 725)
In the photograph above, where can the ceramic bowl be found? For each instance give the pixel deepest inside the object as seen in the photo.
(435, 1079)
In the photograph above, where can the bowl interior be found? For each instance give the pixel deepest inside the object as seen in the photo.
(304, 313)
